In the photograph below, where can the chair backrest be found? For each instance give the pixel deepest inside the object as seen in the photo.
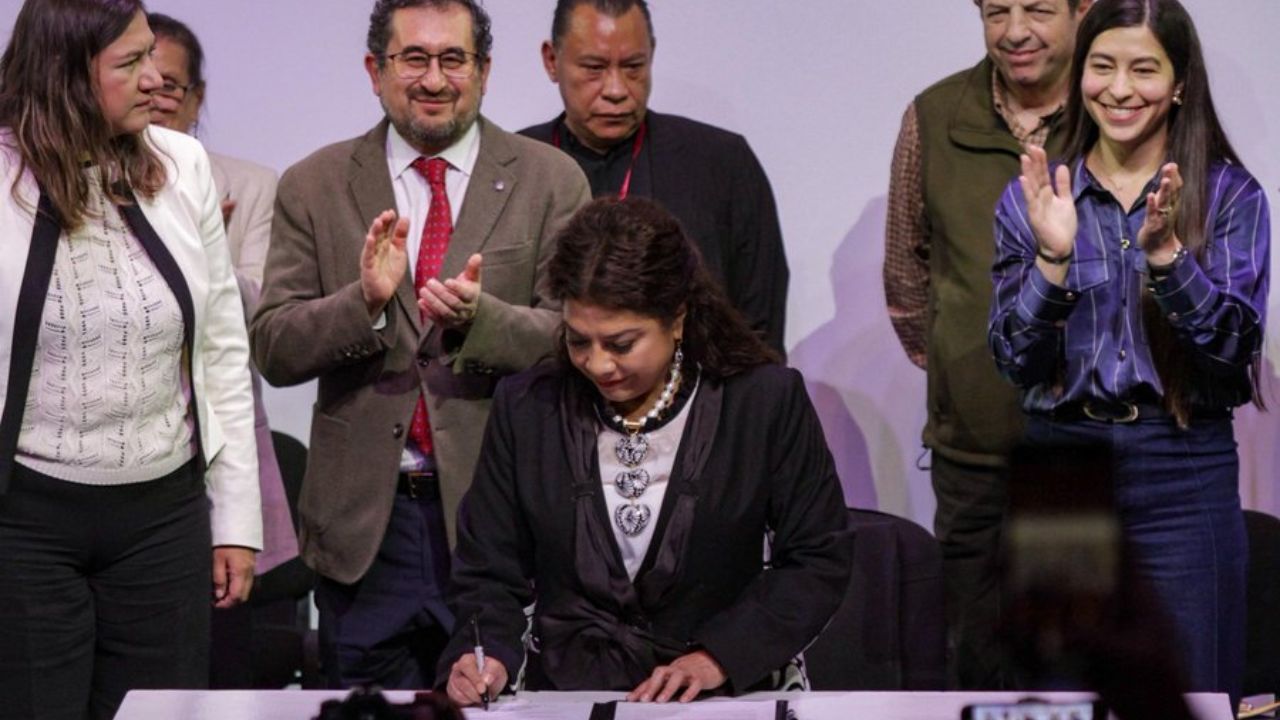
(1261, 666)
(285, 647)
(890, 631)
(292, 580)
(291, 455)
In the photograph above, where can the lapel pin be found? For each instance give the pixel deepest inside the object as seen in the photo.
(499, 185)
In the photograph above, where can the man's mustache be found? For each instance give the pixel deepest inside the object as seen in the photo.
(1018, 47)
(443, 95)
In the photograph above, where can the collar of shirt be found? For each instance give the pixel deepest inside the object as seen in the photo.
(620, 149)
(1082, 180)
(1000, 98)
(413, 196)
(605, 171)
(460, 155)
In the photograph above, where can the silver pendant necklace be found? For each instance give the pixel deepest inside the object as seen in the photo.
(631, 449)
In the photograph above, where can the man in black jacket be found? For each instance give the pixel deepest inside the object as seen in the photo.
(601, 54)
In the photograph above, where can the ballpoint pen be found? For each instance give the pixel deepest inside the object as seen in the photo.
(475, 636)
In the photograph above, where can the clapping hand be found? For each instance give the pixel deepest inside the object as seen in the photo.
(1050, 208)
(453, 303)
(383, 260)
(1156, 236)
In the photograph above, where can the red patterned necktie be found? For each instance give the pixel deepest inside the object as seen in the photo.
(435, 242)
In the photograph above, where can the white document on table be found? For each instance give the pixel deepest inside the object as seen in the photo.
(699, 710)
(515, 708)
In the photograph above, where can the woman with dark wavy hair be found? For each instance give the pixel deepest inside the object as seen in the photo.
(626, 491)
(127, 464)
(1131, 287)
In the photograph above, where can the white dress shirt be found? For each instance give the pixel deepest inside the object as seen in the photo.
(413, 201)
(413, 196)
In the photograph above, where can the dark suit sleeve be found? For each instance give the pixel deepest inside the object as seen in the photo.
(785, 608)
(756, 264)
(493, 562)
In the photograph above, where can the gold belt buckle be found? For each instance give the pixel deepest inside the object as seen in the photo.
(1130, 416)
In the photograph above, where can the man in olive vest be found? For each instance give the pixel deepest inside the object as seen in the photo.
(957, 148)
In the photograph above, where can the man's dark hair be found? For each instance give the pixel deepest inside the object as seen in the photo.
(380, 24)
(164, 26)
(612, 8)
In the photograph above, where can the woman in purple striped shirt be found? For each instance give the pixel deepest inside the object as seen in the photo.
(1130, 294)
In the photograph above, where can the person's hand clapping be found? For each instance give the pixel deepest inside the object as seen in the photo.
(454, 302)
(383, 260)
(1156, 236)
(1051, 210)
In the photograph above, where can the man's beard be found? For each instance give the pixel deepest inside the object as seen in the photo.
(433, 138)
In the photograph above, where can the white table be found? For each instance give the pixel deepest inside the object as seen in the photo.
(303, 704)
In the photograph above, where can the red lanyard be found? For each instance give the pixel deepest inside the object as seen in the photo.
(636, 145)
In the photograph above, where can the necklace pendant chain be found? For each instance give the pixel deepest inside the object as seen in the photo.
(664, 401)
(631, 449)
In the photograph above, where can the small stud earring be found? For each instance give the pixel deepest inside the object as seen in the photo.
(1177, 96)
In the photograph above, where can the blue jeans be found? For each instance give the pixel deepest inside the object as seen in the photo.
(1178, 498)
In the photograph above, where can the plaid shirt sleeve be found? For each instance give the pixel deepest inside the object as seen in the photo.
(906, 244)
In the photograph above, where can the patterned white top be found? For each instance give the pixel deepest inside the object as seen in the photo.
(109, 400)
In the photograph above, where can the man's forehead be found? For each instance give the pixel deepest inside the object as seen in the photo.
(432, 27)
(171, 57)
(1057, 4)
(590, 25)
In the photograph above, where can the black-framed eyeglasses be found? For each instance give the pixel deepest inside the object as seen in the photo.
(172, 90)
(413, 64)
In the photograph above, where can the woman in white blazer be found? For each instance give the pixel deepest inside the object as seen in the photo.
(126, 440)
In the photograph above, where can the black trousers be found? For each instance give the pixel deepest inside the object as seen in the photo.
(102, 590)
(972, 502)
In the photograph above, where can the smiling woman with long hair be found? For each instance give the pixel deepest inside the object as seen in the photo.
(127, 460)
(1131, 287)
(627, 490)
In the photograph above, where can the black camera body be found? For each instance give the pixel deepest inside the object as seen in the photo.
(368, 703)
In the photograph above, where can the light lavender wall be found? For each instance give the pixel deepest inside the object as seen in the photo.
(817, 86)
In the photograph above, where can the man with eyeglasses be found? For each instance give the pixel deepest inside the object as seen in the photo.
(247, 190)
(601, 55)
(248, 193)
(405, 273)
